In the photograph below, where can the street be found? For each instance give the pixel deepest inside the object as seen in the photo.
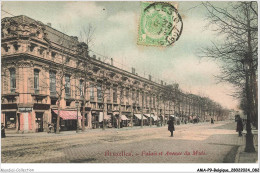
(192, 143)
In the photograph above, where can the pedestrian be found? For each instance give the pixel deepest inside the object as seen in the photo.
(212, 121)
(50, 127)
(171, 126)
(239, 126)
(2, 131)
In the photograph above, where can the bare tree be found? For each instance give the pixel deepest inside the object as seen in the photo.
(87, 40)
(238, 24)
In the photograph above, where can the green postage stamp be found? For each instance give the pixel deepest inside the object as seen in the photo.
(160, 24)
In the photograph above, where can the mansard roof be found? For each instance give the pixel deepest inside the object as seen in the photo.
(53, 35)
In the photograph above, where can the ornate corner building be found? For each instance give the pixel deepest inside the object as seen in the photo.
(45, 72)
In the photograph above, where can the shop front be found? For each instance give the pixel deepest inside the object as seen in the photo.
(10, 121)
(68, 119)
(138, 119)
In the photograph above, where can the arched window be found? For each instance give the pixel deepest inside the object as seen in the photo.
(12, 80)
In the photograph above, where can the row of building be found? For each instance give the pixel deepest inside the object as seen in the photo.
(46, 72)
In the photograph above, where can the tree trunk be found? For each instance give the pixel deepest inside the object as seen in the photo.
(58, 118)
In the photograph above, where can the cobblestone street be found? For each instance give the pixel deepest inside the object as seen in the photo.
(205, 142)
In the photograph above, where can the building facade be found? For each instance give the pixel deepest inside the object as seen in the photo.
(46, 73)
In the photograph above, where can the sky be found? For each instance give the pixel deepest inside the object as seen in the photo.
(116, 33)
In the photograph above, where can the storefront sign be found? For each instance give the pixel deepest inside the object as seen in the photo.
(9, 106)
(24, 109)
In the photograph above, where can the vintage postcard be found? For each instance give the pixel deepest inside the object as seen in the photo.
(157, 82)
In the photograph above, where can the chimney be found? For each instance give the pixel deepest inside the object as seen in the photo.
(49, 24)
(94, 56)
(161, 82)
(133, 70)
(99, 58)
(112, 61)
(150, 77)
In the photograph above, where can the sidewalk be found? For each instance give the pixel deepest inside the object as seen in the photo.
(245, 157)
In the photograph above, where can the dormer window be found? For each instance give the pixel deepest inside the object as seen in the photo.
(32, 46)
(41, 50)
(16, 46)
(53, 55)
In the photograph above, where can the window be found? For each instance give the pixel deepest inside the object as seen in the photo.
(12, 80)
(53, 101)
(137, 97)
(115, 95)
(127, 93)
(52, 83)
(91, 92)
(133, 95)
(121, 95)
(127, 96)
(36, 81)
(108, 95)
(67, 85)
(99, 92)
(81, 88)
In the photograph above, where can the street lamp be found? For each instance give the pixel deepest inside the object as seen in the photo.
(249, 136)
(77, 105)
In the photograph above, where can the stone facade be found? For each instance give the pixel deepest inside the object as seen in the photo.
(43, 69)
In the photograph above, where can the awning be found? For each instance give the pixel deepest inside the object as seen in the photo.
(139, 116)
(155, 117)
(115, 113)
(123, 117)
(100, 117)
(68, 115)
(148, 115)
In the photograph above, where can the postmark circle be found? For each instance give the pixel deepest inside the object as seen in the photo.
(162, 23)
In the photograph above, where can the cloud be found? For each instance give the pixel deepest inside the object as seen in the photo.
(75, 13)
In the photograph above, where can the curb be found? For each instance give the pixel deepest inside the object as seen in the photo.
(238, 154)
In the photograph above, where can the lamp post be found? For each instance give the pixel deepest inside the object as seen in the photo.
(77, 105)
(249, 136)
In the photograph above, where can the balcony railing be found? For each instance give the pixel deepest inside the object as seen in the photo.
(92, 98)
